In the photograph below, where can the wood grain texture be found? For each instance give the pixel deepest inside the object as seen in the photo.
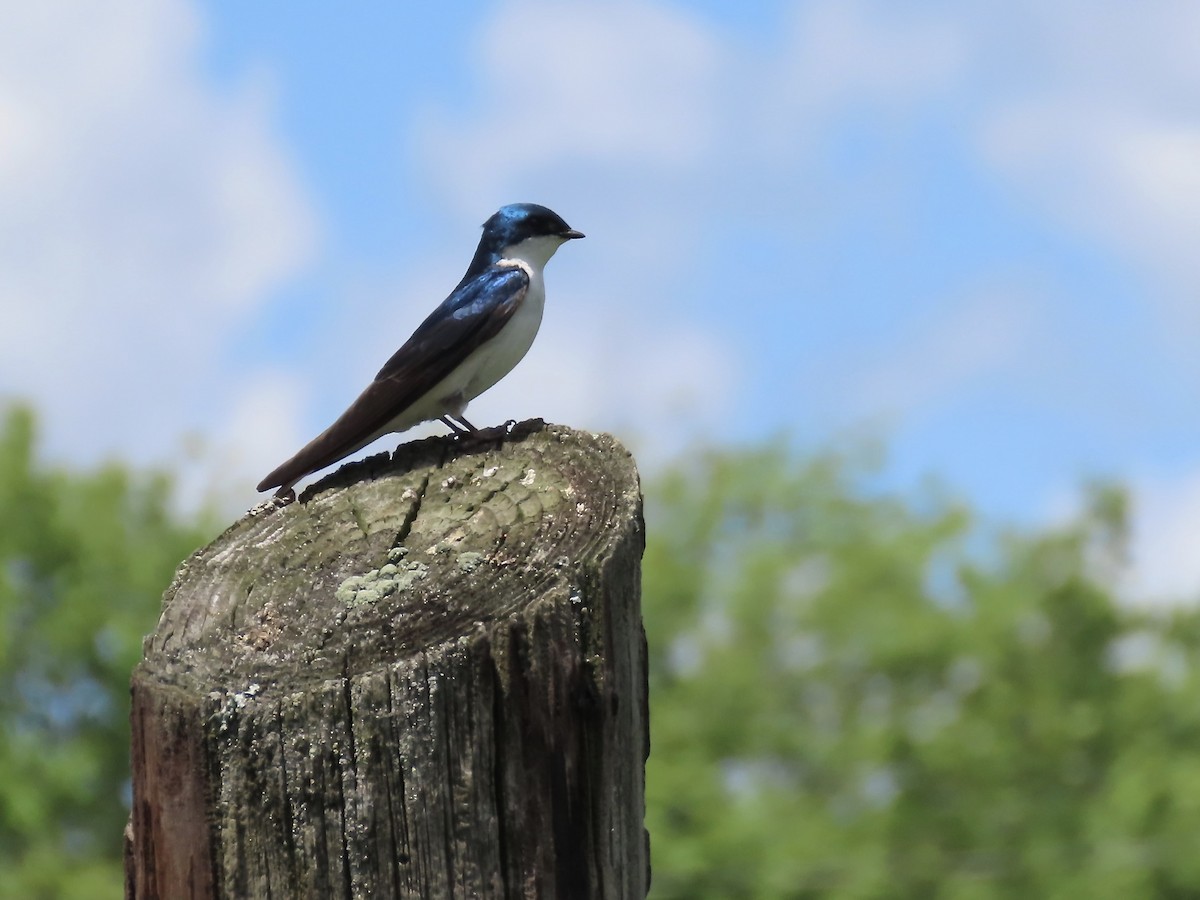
(427, 678)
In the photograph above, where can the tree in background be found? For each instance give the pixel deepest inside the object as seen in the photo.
(856, 696)
(84, 559)
(853, 695)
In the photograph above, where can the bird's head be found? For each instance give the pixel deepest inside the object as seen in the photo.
(525, 231)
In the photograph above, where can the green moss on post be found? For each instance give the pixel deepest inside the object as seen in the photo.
(427, 678)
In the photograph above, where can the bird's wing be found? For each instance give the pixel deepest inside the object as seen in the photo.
(465, 320)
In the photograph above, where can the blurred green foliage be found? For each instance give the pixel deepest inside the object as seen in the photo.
(853, 695)
(84, 559)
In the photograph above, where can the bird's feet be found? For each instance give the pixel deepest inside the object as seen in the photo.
(458, 425)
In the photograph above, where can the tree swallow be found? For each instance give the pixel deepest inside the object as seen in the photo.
(475, 338)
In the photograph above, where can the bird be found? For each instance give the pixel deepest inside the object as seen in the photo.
(468, 343)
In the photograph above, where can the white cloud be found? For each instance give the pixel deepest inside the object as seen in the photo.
(1165, 546)
(1160, 567)
(143, 215)
(1124, 176)
(840, 54)
(626, 83)
(658, 92)
(982, 337)
(261, 429)
(651, 382)
(1097, 125)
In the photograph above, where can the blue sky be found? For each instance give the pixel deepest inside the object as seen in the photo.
(969, 229)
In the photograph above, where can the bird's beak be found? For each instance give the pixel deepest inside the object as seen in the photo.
(571, 234)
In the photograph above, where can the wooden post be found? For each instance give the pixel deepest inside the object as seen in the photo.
(427, 678)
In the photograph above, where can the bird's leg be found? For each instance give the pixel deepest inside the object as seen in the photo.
(462, 420)
(449, 422)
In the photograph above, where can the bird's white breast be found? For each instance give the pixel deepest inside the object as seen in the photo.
(501, 354)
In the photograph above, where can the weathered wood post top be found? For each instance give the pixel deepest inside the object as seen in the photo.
(425, 678)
